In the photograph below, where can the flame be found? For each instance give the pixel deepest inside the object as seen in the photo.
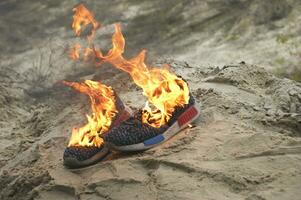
(103, 111)
(164, 90)
(83, 17)
(74, 52)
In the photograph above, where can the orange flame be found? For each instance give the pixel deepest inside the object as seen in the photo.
(74, 52)
(103, 111)
(163, 89)
(83, 17)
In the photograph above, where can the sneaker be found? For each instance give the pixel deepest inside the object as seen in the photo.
(133, 135)
(80, 156)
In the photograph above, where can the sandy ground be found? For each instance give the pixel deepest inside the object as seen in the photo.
(246, 145)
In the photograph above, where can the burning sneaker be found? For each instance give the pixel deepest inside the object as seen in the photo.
(135, 135)
(172, 106)
(86, 145)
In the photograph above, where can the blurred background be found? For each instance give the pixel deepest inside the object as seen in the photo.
(203, 32)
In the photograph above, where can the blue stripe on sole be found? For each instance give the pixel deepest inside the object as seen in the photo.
(155, 140)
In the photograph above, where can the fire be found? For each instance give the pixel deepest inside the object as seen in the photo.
(83, 17)
(103, 112)
(164, 90)
(74, 52)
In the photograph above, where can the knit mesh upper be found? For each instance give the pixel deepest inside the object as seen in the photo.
(133, 131)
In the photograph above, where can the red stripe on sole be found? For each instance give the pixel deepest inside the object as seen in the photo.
(188, 115)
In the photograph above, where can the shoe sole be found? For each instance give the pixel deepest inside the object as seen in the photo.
(72, 162)
(190, 115)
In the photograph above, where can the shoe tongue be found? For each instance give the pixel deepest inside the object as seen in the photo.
(132, 121)
(135, 119)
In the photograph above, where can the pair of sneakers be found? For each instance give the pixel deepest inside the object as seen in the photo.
(129, 133)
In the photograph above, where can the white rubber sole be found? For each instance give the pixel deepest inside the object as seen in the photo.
(191, 114)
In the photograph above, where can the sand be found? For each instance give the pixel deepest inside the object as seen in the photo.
(245, 145)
